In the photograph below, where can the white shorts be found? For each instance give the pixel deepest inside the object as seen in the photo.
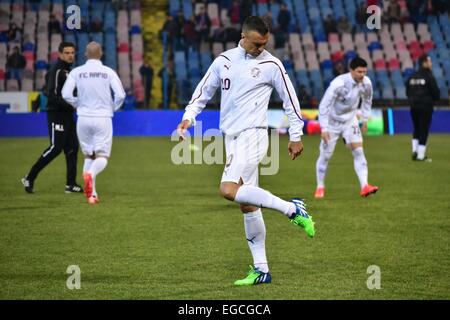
(244, 153)
(95, 135)
(350, 132)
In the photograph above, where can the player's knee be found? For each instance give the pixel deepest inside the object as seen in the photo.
(358, 151)
(228, 191)
(245, 208)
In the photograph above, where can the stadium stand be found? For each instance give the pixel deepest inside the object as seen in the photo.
(114, 25)
(311, 56)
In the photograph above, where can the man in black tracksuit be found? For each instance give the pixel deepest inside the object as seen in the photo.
(61, 123)
(422, 90)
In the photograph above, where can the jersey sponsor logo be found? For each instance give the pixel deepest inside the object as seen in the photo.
(86, 75)
(255, 72)
(417, 82)
(59, 127)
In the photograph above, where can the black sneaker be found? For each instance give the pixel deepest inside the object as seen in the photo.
(28, 184)
(75, 188)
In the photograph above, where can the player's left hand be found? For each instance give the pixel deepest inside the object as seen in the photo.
(181, 129)
(364, 128)
(295, 149)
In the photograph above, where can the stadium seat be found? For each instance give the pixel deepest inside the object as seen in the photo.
(380, 64)
(394, 64)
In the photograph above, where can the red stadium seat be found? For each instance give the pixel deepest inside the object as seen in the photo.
(394, 64)
(337, 56)
(54, 56)
(428, 45)
(123, 47)
(414, 45)
(29, 55)
(416, 53)
(380, 64)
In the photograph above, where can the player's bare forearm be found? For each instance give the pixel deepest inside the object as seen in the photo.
(295, 149)
(181, 129)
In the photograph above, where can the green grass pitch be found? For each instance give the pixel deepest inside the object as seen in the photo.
(162, 231)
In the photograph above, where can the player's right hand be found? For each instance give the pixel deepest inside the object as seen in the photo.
(181, 129)
(325, 137)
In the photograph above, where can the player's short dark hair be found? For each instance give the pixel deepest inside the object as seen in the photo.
(358, 62)
(254, 23)
(64, 44)
(423, 59)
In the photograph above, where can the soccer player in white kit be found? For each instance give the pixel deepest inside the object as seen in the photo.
(337, 116)
(95, 107)
(246, 76)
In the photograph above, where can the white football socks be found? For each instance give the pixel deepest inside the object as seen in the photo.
(255, 232)
(421, 151)
(360, 163)
(321, 170)
(87, 164)
(415, 144)
(97, 166)
(261, 198)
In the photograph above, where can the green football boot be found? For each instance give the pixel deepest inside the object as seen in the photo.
(254, 277)
(301, 217)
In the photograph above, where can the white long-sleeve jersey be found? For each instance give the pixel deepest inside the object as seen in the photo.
(342, 98)
(246, 84)
(94, 83)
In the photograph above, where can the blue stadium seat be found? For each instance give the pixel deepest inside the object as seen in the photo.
(397, 78)
(97, 37)
(320, 37)
(70, 37)
(328, 76)
(179, 57)
(41, 65)
(387, 92)
(374, 45)
(135, 29)
(262, 9)
(187, 9)
(180, 71)
(275, 9)
(194, 82)
(326, 64)
(376, 94)
(400, 93)
(205, 59)
(28, 46)
(302, 78)
(349, 55)
(407, 73)
(174, 6)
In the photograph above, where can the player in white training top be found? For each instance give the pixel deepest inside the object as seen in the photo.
(95, 107)
(337, 116)
(246, 76)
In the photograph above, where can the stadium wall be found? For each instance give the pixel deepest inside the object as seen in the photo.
(163, 123)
